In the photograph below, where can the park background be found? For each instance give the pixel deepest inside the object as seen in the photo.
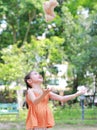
(68, 42)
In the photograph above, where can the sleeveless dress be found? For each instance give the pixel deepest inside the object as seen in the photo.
(39, 115)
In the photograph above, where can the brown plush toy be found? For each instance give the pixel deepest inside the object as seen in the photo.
(48, 7)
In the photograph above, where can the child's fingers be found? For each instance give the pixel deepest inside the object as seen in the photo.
(46, 91)
(82, 91)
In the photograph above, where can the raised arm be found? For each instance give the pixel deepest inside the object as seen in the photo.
(35, 99)
(67, 97)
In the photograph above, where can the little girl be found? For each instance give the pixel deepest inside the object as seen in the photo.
(39, 115)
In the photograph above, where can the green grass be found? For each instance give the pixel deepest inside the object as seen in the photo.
(65, 115)
(73, 115)
(21, 117)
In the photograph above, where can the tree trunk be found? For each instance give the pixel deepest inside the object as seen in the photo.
(31, 16)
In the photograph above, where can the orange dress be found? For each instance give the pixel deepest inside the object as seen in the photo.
(39, 115)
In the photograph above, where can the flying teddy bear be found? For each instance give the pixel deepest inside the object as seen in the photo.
(48, 7)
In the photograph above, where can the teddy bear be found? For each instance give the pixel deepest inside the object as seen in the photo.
(48, 7)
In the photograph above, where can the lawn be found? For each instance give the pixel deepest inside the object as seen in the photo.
(68, 118)
(73, 115)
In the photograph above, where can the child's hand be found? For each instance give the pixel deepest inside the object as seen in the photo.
(81, 92)
(46, 91)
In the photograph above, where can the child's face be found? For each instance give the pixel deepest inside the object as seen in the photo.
(36, 77)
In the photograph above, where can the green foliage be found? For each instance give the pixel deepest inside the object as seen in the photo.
(71, 37)
(8, 96)
(19, 16)
(74, 4)
(12, 66)
(18, 61)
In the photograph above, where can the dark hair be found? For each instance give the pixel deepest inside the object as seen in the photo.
(28, 86)
(26, 78)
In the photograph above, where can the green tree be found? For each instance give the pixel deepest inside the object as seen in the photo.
(21, 18)
(18, 61)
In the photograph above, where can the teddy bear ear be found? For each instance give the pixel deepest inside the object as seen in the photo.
(53, 2)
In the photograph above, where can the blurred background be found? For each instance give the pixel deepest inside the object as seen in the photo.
(63, 50)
